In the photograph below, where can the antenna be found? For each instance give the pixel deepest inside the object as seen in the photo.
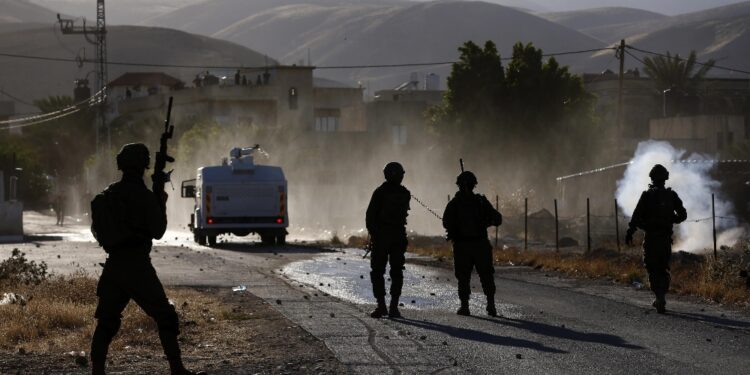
(461, 161)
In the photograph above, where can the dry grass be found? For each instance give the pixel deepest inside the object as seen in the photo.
(59, 317)
(695, 275)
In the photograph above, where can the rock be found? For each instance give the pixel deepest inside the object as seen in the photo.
(519, 356)
(333, 315)
(278, 302)
(423, 337)
(13, 299)
(21, 351)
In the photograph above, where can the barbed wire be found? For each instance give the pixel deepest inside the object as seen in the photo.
(430, 210)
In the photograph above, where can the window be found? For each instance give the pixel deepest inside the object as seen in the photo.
(326, 124)
(399, 134)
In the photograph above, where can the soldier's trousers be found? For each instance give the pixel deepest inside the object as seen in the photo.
(468, 255)
(388, 249)
(657, 250)
(120, 282)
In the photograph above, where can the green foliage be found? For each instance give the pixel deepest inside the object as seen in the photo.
(18, 269)
(29, 158)
(674, 72)
(495, 113)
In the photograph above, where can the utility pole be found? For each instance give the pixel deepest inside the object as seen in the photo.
(96, 36)
(620, 54)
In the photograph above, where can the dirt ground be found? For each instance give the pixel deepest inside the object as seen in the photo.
(252, 338)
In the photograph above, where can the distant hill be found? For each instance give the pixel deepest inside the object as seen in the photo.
(615, 31)
(20, 11)
(722, 34)
(605, 24)
(34, 79)
(210, 16)
(381, 32)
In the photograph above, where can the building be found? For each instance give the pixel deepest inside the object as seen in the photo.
(705, 134)
(283, 97)
(642, 103)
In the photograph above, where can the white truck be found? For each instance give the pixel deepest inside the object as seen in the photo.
(238, 197)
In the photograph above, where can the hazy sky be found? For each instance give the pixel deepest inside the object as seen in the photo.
(134, 11)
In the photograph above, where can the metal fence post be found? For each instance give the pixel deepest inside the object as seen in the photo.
(557, 229)
(617, 226)
(588, 225)
(713, 220)
(526, 223)
(497, 208)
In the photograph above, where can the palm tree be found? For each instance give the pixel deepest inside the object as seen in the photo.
(673, 72)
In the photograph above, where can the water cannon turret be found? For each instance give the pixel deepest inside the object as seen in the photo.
(242, 158)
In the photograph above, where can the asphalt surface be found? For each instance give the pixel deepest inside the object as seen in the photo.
(549, 324)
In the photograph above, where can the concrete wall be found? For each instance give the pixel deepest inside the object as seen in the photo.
(707, 134)
(11, 221)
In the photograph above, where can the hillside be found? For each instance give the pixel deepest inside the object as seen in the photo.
(20, 11)
(33, 79)
(724, 39)
(210, 16)
(387, 33)
(603, 23)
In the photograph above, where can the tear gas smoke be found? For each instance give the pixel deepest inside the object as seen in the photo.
(691, 180)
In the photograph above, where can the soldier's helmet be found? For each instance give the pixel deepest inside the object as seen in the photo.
(133, 156)
(466, 179)
(394, 172)
(659, 173)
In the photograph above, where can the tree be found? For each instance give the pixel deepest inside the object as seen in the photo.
(673, 72)
(531, 95)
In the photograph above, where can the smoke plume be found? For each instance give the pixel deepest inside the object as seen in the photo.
(691, 180)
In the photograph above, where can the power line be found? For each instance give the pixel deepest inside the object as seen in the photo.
(95, 99)
(16, 98)
(41, 121)
(697, 62)
(363, 66)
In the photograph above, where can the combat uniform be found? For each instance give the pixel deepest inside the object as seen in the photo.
(657, 210)
(386, 223)
(466, 220)
(127, 216)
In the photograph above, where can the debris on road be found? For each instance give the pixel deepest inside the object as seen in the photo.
(239, 288)
(12, 299)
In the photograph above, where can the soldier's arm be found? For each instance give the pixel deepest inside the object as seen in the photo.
(679, 209)
(449, 218)
(156, 216)
(638, 219)
(372, 212)
(495, 218)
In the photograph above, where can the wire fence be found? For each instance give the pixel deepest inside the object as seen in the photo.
(547, 228)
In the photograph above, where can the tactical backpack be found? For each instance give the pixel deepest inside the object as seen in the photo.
(661, 208)
(107, 221)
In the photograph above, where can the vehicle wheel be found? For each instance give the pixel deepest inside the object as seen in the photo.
(281, 240)
(211, 241)
(200, 238)
(266, 239)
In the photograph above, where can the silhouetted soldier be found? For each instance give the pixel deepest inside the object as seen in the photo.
(59, 206)
(657, 210)
(466, 219)
(244, 80)
(386, 223)
(125, 218)
(237, 78)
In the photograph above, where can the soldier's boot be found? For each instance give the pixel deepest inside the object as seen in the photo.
(379, 311)
(177, 368)
(393, 312)
(464, 309)
(98, 367)
(491, 309)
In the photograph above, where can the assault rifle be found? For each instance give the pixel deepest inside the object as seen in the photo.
(159, 177)
(368, 247)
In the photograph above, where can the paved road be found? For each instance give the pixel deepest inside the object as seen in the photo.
(550, 325)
